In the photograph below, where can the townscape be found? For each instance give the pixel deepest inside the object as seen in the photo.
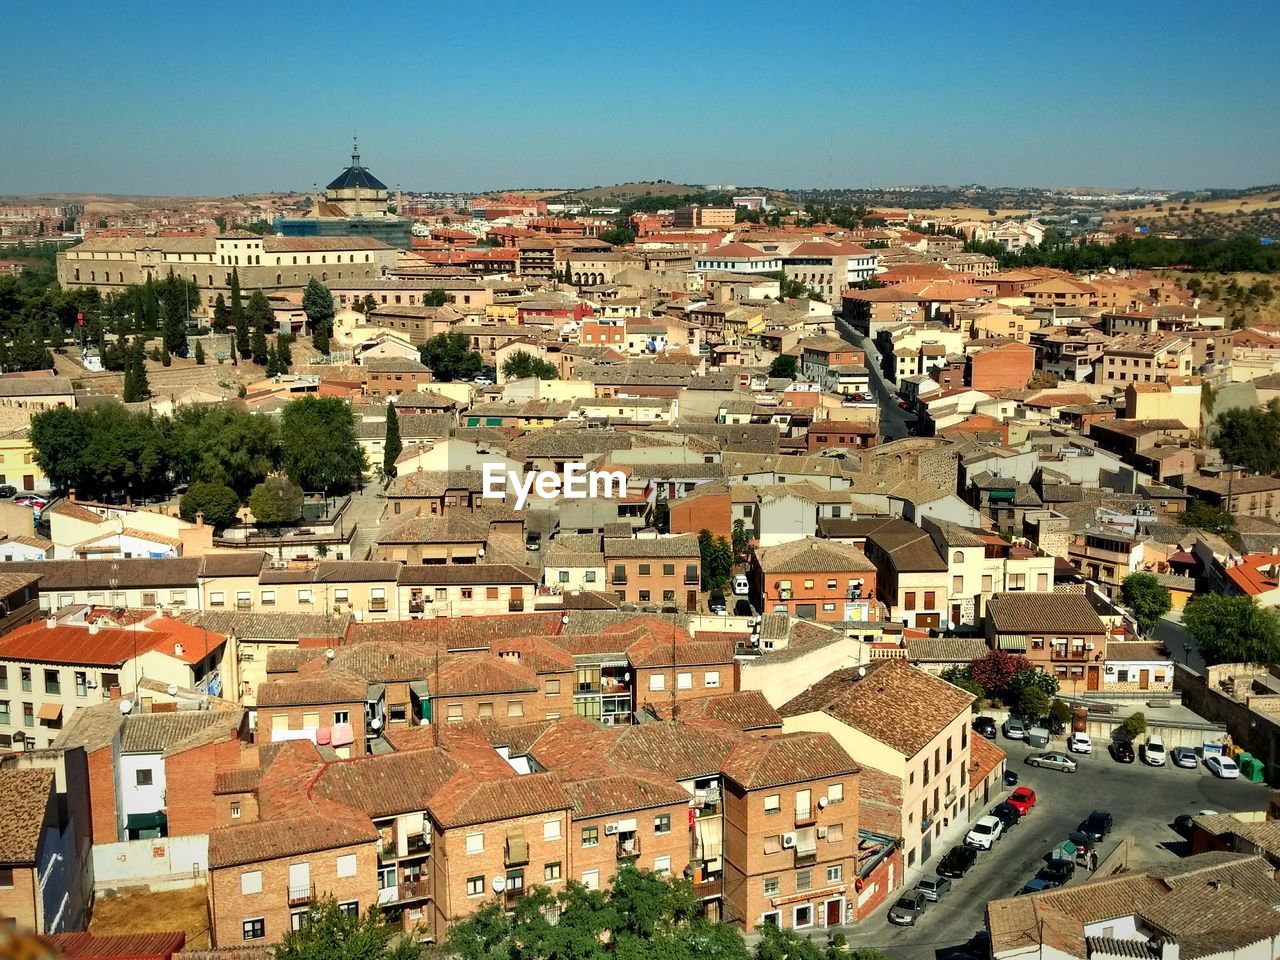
(680, 569)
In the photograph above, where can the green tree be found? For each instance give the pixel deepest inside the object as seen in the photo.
(1059, 716)
(1147, 597)
(450, 357)
(1250, 437)
(368, 305)
(994, 672)
(962, 677)
(329, 933)
(1204, 517)
(284, 351)
(317, 304)
(391, 446)
(716, 554)
(166, 358)
(275, 501)
(318, 444)
(178, 296)
(273, 361)
(436, 298)
(222, 445)
(258, 348)
(220, 505)
(1134, 726)
(238, 321)
(1232, 629)
(59, 438)
(259, 313)
(199, 354)
(783, 367)
(521, 365)
(221, 315)
(137, 385)
(741, 539)
(618, 235)
(1033, 703)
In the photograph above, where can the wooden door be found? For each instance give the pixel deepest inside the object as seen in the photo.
(834, 913)
(1144, 679)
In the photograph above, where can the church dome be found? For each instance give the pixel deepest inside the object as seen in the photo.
(356, 177)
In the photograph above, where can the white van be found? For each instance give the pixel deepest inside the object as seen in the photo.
(740, 585)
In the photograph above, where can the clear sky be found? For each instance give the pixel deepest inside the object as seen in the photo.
(175, 97)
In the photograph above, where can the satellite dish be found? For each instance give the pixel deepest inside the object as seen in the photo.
(499, 884)
(328, 653)
(862, 671)
(172, 690)
(564, 618)
(376, 723)
(822, 803)
(125, 707)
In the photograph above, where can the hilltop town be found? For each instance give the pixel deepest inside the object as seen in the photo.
(933, 525)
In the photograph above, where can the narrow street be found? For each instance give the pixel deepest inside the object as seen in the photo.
(895, 423)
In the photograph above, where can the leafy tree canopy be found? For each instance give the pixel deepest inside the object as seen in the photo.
(783, 366)
(1233, 629)
(1147, 597)
(218, 504)
(319, 450)
(276, 500)
(521, 365)
(331, 934)
(450, 357)
(1250, 437)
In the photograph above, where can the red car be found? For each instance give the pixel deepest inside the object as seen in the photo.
(1022, 800)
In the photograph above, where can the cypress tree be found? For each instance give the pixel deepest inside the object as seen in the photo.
(238, 322)
(392, 446)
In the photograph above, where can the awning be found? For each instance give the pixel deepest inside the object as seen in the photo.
(1013, 643)
(49, 711)
(419, 689)
(146, 821)
(376, 692)
(517, 846)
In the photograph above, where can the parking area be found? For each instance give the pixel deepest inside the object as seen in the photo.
(1142, 800)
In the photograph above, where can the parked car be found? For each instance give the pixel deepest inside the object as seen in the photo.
(1096, 825)
(716, 604)
(956, 862)
(933, 888)
(1054, 761)
(27, 500)
(1184, 757)
(1058, 870)
(1153, 753)
(1015, 728)
(1122, 751)
(742, 608)
(1010, 778)
(984, 833)
(1006, 813)
(1024, 798)
(1222, 767)
(907, 909)
(1081, 841)
(1182, 823)
(8, 490)
(483, 381)
(741, 586)
(1079, 743)
(985, 726)
(532, 542)
(1037, 885)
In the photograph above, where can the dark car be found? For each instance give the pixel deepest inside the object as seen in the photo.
(1058, 869)
(742, 607)
(8, 490)
(1182, 824)
(1038, 886)
(716, 603)
(1010, 778)
(957, 862)
(908, 908)
(1082, 841)
(1122, 751)
(986, 726)
(1007, 814)
(1096, 825)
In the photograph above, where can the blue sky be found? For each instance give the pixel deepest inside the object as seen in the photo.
(150, 97)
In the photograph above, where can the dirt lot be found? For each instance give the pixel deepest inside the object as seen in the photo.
(146, 912)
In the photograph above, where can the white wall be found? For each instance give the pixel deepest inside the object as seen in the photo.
(136, 799)
(163, 858)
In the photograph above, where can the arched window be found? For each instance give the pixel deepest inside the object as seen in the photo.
(324, 277)
(957, 557)
(278, 279)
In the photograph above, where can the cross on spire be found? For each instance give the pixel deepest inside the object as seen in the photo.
(355, 150)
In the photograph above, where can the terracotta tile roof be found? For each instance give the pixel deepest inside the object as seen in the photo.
(270, 626)
(125, 946)
(236, 780)
(468, 573)
(660, 652)
(621, 792)
(106, 647)
(335, 686)
(481, 673)
(879, 802)
(744, 710)
(467, 800)
(24, 798)
(811, 555)
(1137, 650)
(95, 574)
(683, 546)
(462, 633)
(389, 785)
(894, 703)
(1055, 613)
(237, 563)
(945, 650)
(678, 750)
(285, 837)
(984, 756)
(790, 758)
(172, 733)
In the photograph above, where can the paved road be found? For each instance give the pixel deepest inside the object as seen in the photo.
(894, 421)
(1143, 800)
(1170, 632)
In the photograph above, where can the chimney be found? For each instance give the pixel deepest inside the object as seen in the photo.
(93, 627)
(200, 518)
(71, 495)
(50, 622)
(177, 649)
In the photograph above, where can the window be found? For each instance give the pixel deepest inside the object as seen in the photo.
(52, 683)
(304, 596)
(772, 844)
(515, 708)
(804, 879)
(143, 778)
(591, 879)
(342, 716)
(454, 712)
(835, 792)
(657, 681)
(346, 865)
(4, 712)
(251, 882)
(773, 803)
(591, 836)
(551, 830)
(268, 598)
(484, 711)
(668, 569)
(771, 919)
(217, 598)
(929, 600)
(553, 688)
(986, 583)
(551, 872)
(475, 886)
(909, 600)
(772, 886)
(684, 681)
(662, 823)
(475, 843)
(255, 929)
(711, 678)
(957, 585)
(82, 683)
(661, 865)
(28, 715)
(235, 809)
(834, 873)
(350, 907)
(835, 833)
(467, 593)
(644, 569)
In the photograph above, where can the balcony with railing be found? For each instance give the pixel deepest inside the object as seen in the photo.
(511, 896)
(301, 894)
(378, 606)
(806, 816)
(416, 606)
(628, 847)
(708, 889)
(806, 854)
(516, 852)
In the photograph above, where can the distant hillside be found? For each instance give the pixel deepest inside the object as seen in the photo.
(629, 191)
(1253, 214)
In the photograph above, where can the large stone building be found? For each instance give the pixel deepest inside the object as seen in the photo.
(268, 263)
(355, 204)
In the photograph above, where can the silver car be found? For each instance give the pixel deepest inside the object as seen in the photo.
(1015, 728)
(934, 887)
(1054, 761)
